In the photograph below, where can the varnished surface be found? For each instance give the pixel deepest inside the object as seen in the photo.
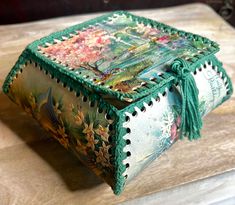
(37, 170)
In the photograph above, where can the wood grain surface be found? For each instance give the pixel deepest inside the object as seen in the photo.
(36, 170)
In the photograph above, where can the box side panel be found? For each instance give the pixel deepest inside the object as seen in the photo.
(153, 124)
(78, 120)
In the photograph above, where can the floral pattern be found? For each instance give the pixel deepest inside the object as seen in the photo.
(103, 155)
(120, 53)
(175, 129)
(170, 123)
(73, 123)
(103, 132)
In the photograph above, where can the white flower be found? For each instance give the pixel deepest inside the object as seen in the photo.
(167, 121)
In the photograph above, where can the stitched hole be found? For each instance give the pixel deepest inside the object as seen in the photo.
(209, 63)
(128, 154)
(64, 85)
(143, 83)
(195, 72)
(92, 104)
(171, 89)
(94, 79)
(134, 113)
(46, 72)
(227, 93)
(152, 79)
(110, 127)
(108, 117)
(127, 165)
(110, 151)
(200, 69)
(150, 103)
(127, 118)
(110, 139)
(126, 176)
(128, 141)
(157, 99)
(70, 89)
(84, 98)
(57, 80)
(52, 76)
(111, 87)
(77, 94)
(213, 67)
(100, 110)
(164, 93)
(143, 109)
(128, 130)
(204, 66)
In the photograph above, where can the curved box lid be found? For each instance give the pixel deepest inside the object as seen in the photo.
(120, 55)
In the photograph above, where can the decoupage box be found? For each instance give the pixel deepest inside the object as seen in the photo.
(119, 90)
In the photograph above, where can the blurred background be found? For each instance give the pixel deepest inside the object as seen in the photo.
(17, 11)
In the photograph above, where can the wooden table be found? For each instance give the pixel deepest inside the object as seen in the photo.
(36, 170)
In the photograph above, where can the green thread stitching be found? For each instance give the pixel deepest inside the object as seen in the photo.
(117, 151)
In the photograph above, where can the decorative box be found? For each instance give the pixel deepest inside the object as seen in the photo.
(119, 90)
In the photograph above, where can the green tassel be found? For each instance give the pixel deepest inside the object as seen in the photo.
(191, 121)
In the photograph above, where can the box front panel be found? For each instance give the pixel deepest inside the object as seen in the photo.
(77, 123)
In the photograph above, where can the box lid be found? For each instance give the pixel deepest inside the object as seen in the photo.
(121, 55)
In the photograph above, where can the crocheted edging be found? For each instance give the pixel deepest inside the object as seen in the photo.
(69, 79)
(144, 89)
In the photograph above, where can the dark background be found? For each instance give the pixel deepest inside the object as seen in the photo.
(16, 11)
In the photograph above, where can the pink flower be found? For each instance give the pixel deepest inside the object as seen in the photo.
(163, 39)
(85, 47)
(99, 40)
(175, 129)
(178, 121)
(174, 132)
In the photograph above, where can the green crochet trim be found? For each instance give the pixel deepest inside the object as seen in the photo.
(118, 115)
(77, 83)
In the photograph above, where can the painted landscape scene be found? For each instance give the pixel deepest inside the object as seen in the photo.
(121, 54)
